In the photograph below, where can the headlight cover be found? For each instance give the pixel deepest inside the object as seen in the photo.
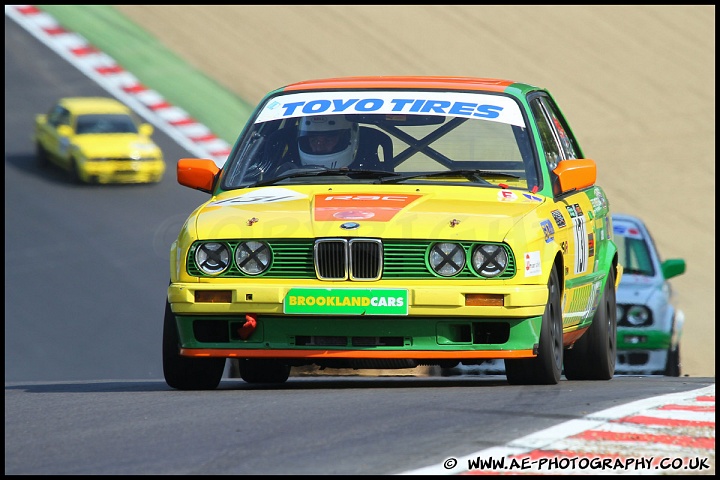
(638, 316)
(447, 259)
(212, 258)
(634, 316)
(489, 260)
(253, 258)
(620, 312)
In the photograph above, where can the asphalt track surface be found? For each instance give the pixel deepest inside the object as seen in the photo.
(85, 278)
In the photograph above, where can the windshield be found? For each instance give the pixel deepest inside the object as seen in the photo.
(633, 251)
(105, 123)
(398, 136)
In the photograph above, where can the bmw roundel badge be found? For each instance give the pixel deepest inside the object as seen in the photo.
(350, 225)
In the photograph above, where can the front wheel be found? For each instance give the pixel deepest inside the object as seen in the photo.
(672, 366)
(594, 355)
(186, 373)
(546, 368)
(42, 155)
(74, 172)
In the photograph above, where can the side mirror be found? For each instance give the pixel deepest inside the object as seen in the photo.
(146, 129)
(576, 174)
(673, 267)
(65, 130)
(197, 173)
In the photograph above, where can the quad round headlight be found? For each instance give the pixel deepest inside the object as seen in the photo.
(489, 260)
(447, 259)
(253, 258)
(212, 258)
(638, 315)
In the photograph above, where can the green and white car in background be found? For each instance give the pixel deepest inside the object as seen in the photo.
(649, 324)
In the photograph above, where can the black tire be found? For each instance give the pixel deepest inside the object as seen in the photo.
(261, 370)
(42, 156)
(546, 368)
(74, 173)
(187, 373)
(594, 355)
(672, 366)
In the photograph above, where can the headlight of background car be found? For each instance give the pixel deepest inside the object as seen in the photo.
(634, 316)
(252, 258)
(144, 151)
(489, 260)
(212, 258)
(143, 146)
(447, 259)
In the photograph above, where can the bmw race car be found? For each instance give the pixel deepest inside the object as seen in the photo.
(393, 222)
(98, 140)
(649, 324)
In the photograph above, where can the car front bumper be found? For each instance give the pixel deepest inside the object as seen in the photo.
(123, 172)
(438, 324)
(641, 362)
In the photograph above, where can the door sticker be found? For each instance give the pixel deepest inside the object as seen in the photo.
(581, 243)
(558, 217)
(548, 230)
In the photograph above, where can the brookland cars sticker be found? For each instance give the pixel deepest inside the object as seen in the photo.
(346, 301)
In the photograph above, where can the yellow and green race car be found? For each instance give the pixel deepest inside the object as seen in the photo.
(393, 222)
(98, 140)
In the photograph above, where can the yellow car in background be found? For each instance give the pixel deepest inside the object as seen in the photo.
(98, 140)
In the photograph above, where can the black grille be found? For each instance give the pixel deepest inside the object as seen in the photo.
(357, 259)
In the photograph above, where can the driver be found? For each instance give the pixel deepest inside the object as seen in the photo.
(328, 141)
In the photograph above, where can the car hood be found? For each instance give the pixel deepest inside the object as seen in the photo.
(637, 288)
(117, 144)
(383, 211)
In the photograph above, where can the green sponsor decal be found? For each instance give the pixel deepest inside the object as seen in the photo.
(346, 301)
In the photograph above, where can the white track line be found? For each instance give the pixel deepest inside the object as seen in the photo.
(559, 438)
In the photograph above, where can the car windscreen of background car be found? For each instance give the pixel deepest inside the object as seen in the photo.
(634, 255)
(105, 124)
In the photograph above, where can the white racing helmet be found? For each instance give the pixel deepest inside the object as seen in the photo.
(342, 152)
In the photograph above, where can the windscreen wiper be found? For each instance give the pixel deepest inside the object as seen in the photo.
(472, 175)
(315, 172)
(636, 271)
